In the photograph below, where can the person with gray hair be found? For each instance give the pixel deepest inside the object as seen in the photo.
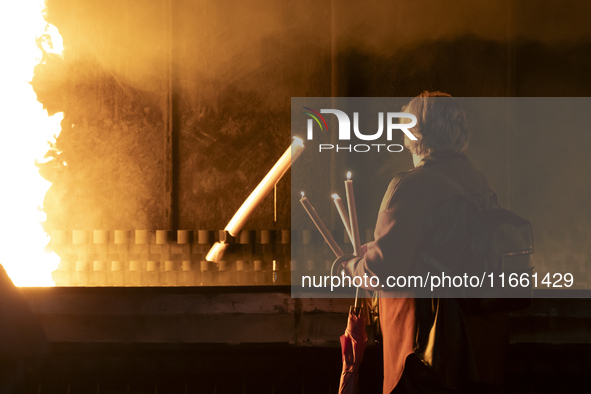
(433, 345)
(441, 125)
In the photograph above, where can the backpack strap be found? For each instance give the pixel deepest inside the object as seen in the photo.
(453, 184)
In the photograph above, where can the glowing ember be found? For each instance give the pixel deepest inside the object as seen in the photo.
(27, 131)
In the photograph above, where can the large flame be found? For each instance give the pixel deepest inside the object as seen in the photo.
(27, 131)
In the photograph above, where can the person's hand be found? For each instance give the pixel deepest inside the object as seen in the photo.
(339, 264)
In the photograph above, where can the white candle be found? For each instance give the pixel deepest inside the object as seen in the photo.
(266, 185)
(343, 213)
(320, 226)
(217, 251)
(353, 215)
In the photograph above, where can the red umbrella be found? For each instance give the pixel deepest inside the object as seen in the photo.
(353, 343)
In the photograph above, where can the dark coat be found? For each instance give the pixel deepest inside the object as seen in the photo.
(421, 212)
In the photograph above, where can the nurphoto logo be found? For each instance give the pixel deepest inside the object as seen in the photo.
(344, 130)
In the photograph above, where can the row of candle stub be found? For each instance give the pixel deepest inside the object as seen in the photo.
(162, 237)
(169, 266)
(206, 274)
(203, 237)
(204, 265)
(185, 274)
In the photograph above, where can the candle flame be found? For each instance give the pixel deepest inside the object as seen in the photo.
(298, 141)
(302, 193)
(349, 175)
(335, 196)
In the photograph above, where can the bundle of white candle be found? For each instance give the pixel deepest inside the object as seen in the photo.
(349, 221)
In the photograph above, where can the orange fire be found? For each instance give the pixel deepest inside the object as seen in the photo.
(27, 134)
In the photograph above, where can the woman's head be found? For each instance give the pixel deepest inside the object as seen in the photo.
(441, 124)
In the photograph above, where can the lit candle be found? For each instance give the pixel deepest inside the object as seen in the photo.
(355, 239)
(320, 226)
(266, 185)
(217, 251)
(256, 197)
(343, 213)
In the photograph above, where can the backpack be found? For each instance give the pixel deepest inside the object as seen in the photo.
(501, 242)
(501, 245)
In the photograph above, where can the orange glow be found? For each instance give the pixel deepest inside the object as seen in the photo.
(27, 134)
